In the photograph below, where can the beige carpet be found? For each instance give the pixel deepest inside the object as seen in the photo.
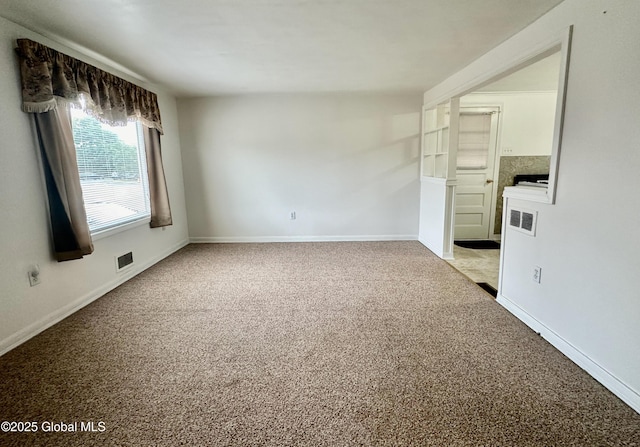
(327, 344)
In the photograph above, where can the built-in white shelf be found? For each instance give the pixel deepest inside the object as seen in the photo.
(435, 141)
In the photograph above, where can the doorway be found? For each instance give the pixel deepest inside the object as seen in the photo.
(505, 129)
(440, 118)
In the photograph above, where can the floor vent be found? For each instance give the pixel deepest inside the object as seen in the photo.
(125, 261)
(488, 288)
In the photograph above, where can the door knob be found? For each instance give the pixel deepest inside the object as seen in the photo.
(489, 181)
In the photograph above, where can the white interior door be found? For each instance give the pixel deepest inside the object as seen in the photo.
(475, 172)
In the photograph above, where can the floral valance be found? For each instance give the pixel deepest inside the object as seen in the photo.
(48, 75)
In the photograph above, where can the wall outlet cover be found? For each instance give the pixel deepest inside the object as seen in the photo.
(537, 274)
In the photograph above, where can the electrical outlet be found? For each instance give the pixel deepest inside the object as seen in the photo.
(292, 216)
(537, 273)
(34, 275)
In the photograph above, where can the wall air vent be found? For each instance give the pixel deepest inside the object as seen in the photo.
(523, 220)
(527, 221)
(514, 219)
(123, 262)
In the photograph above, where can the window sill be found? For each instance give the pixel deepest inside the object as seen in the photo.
(530, 193)
(120, 228)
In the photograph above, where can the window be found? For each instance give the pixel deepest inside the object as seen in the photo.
(113, 172)
(473, 142)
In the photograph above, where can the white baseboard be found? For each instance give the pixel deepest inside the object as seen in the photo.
(608, 380)
(259, 239)
(34, 329)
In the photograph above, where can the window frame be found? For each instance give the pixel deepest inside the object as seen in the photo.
(102, 234)
(140, 219)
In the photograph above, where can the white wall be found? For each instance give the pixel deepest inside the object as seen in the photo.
(24, 227)
(587, 244)
(346, 164)
(436, 216)
(526, 120)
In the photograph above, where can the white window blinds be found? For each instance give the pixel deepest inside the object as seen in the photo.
(473, 144)
(113, 173)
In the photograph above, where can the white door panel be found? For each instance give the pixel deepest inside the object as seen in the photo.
(469, 200)
(469, 219)
(474, 173)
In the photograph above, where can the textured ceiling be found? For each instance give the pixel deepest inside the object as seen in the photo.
(209, 47)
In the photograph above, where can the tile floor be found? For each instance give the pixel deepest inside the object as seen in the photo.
(478, 265)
